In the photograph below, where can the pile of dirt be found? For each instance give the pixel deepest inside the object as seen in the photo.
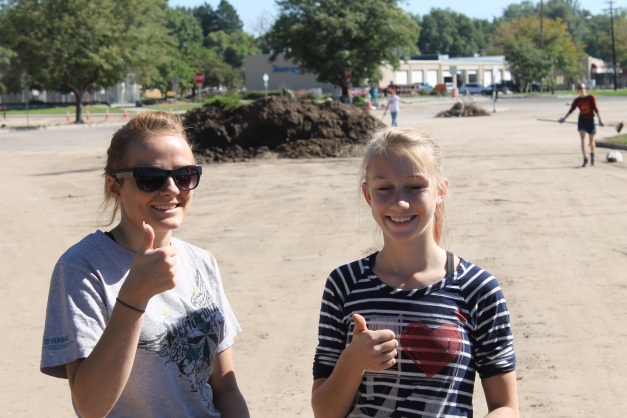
(461, 109)
(277, 127)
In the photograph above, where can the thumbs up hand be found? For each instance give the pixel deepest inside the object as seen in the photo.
(374, 350)
(152, 271)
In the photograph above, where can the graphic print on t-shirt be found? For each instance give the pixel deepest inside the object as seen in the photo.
(434, 347)
(585, 107)
(431, 349)
(190, 340)
(431, 352)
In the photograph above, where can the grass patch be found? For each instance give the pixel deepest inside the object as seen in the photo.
(172, 107)
(229, 101)
(620, 92)
(618, 139)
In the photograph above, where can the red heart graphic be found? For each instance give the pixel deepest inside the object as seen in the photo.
(431, 350)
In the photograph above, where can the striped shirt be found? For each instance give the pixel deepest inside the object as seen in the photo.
(446, 332)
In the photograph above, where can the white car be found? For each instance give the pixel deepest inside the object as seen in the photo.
(427, 88)
(473, 88)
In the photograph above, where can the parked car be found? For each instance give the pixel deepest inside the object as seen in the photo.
(501, 88)
(472, 88)
(425, 87)
(510, 86)
(360, 92)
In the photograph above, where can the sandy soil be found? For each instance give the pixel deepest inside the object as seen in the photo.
(520, 206)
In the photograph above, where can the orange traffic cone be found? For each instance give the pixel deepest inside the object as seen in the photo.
(68, 117)
(107, 117)
(125, 114)
(88, 117)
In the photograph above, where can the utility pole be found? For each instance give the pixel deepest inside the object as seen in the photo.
(611, 2)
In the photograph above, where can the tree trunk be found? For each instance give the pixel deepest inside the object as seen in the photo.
(79, 105)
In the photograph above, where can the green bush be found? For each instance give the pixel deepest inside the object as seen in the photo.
(229, 100)
(359, 101)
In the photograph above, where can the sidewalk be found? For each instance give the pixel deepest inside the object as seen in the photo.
(37, 121)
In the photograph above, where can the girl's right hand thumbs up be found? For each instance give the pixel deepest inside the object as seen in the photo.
(153, 271)
(374, 350)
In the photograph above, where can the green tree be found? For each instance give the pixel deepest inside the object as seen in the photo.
(182, 59)
(188, 55)
(232, 47)
(78, 45)
(570, 13)
(5, 71)
(620, 40)
(518, 10)
(527, 62)
(598, 26)
(518, 37)
(224, 18)
(205, 15)
(455, 34)
(327, 37)
(227, 19)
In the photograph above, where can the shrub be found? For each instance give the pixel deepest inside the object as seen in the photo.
(229, 100)
(359, 101)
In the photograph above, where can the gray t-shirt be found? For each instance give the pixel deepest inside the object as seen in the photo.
(183, 329)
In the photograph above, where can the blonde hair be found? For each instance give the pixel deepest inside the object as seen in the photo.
(142, 125)
(421, 149)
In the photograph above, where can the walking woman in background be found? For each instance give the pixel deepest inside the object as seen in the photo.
(403, 331)
(138, 320)
(394, 104)
(587, 105)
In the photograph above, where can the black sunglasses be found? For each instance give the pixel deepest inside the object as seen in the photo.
(151, 179)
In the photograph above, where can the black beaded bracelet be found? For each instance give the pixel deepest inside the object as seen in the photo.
(130, 306)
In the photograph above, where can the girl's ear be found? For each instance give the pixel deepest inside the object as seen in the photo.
(113, 186)
(442, 191)
(366, 191)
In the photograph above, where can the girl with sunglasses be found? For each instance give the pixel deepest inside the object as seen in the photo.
(137, 320)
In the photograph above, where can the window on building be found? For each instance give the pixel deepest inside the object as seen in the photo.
(487, 78)
(417, 76)
(401, 78)
(432, 77)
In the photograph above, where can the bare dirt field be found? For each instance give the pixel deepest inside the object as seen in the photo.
(520, 205)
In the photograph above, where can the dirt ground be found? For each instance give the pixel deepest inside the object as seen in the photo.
(520, 205)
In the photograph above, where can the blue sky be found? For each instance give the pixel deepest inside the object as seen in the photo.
(249, 11)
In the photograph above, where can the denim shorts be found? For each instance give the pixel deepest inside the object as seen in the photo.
(587, 125)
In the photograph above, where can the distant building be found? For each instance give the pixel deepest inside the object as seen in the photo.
(281, 73)
(428, 68)
(433, 69)
(436, 69)
(601, 74)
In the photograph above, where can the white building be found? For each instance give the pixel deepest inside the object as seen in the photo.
(437, 69)
(434, 70)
